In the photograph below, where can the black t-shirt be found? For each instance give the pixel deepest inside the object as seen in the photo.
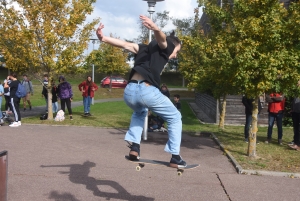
(150, 61)
(178, 105)
(13, 88)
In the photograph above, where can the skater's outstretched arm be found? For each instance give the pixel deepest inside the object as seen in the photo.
(132, 47)
(159, 35)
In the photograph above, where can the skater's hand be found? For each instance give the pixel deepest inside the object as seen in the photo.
(71, 99)
(148, 23)
(99, 32)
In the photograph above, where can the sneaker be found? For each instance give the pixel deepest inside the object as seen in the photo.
(268, 141)
(71, 118)
(295, 147)
(280, 142)
(134, 153)
(30, 107)
(246, 140)
(1, 121)
(19, 122)
(14, 124)
(88, 114)
(24, 109)
(177, 162)
(291, 143)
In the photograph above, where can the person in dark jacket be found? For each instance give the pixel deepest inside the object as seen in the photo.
(247, 102)
(45, 91)
(164, 90)
(14, 100)
(295, 144)
(54, 97)
(65, 94)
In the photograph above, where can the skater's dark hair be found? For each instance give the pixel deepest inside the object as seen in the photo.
(174, 39)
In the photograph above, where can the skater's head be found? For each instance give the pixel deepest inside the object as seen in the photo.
(175, 40)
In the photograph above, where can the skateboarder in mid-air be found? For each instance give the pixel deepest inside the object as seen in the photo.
(143, 93)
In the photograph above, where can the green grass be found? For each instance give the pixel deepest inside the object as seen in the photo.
(271, 156)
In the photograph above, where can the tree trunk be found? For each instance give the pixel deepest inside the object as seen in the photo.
(253, 130)
(222, 113)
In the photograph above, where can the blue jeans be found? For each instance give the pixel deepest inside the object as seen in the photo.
(54, 107)
(140, 98)
(87, 104)
(272, 117)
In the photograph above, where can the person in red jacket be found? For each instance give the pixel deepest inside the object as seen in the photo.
(276, 103)
(88, 87)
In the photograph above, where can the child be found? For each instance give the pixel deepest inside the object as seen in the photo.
(177, 102)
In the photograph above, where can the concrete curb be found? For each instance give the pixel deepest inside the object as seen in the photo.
(240, 170)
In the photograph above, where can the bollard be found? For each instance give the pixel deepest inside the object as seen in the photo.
(145, 130)
(3, 175)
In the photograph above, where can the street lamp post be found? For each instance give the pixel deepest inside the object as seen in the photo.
(93, 66)
(151, 10)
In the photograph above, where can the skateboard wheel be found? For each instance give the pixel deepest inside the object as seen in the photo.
(138, 168)
(179, 172)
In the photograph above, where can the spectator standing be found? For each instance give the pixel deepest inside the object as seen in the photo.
(29, 89)
(276, 102)
(295, 144)
(45, 91)
(7, 97)
(1, 95)
(54, 97)
(164, 90)
(177, 102)
(87, 87)
(65, 94)
(247, 102)
(14, 100)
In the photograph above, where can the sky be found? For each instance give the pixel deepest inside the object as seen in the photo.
(120, 17)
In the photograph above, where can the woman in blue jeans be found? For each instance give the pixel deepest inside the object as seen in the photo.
(143, 93)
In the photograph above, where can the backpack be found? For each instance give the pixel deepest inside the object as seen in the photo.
(44, 117)
(21, 91)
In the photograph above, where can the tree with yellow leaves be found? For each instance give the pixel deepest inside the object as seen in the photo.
(45, 36)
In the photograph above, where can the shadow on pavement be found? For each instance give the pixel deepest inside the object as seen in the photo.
(78, 174)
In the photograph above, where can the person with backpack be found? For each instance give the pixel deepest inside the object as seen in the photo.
(29, 91)
(14, 98)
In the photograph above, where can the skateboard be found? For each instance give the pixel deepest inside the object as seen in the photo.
(142, 162)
